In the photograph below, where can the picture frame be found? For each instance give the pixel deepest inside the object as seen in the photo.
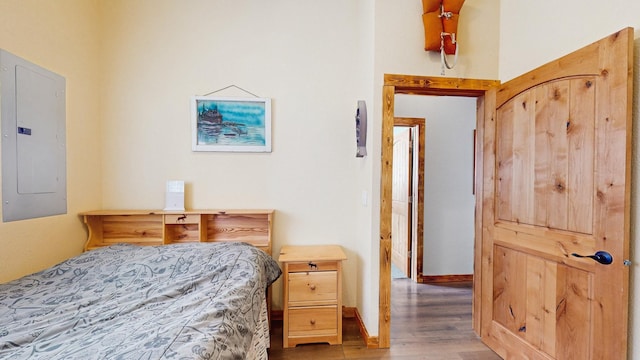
(231, 124)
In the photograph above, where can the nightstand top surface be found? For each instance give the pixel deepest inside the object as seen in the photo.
(294, 253)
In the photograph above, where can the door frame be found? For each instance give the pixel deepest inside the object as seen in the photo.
(422, 85)
(417, 192)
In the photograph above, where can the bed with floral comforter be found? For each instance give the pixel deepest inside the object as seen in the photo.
(182, 301)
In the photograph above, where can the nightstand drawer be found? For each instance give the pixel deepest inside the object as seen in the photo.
(313, 286)
(313, 321)
(313, 266)
(182, 218)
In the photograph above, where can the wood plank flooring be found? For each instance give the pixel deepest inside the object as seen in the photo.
(427, 322)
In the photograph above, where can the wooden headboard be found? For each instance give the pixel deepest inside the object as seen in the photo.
(158, 227)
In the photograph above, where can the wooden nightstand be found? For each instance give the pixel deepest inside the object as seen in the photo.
(312, 294)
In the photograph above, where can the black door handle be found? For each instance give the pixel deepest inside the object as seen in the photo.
(602, 257)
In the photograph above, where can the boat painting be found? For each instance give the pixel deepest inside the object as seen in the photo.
(231, 124)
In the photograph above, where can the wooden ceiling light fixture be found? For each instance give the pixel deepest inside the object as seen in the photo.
(440, 20)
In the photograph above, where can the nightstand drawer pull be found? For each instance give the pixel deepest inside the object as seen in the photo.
(312, 286)
(312, 321)
(312, 266)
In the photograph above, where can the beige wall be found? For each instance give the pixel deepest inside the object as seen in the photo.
(306, 56)
(131, 67)
(62, 37)
(536, 32)
(399, 39)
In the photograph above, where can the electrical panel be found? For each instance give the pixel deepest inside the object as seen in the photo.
(33, 114)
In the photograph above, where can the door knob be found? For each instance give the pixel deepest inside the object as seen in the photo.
(602, 257)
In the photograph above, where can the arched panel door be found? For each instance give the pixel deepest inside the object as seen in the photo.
(556, 186)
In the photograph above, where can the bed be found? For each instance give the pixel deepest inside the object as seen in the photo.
(202, 300)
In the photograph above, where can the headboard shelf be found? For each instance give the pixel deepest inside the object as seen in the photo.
(158, 227)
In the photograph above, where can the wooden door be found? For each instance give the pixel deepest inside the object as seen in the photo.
(556, 180)
(401, 206)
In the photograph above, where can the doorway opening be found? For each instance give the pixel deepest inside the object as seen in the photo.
(408, 198)
(447, 198)
(419, 85)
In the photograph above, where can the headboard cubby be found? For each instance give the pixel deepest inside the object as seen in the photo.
(159, 227)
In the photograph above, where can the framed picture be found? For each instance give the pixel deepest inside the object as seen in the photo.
(231, 124)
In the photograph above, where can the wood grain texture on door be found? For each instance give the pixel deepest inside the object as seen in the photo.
(557, 183)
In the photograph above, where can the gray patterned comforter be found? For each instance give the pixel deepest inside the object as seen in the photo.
(183, 301)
